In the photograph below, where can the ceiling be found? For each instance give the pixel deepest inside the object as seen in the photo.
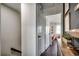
(15, 6)
(49, 5)
(52, 8)
(49, 8)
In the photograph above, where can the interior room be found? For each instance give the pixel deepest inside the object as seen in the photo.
(39, 29)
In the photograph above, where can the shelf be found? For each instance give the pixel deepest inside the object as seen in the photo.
(74, 33)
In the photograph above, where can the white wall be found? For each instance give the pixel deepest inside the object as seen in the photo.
(42, 41)
(41, 30)
(0, 29)
(47, 35)
(10, 30)
(28, 23)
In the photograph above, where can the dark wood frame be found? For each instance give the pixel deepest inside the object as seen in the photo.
(67, 9)
(67, 19)
(64, 15)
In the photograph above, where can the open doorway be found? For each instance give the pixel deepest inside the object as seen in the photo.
(53, 26)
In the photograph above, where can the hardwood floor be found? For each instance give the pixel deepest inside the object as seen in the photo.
(67, 51)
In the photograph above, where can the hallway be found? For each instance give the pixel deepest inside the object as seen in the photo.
(49, 17)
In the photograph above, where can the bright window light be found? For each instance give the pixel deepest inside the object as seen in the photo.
(58, 29)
